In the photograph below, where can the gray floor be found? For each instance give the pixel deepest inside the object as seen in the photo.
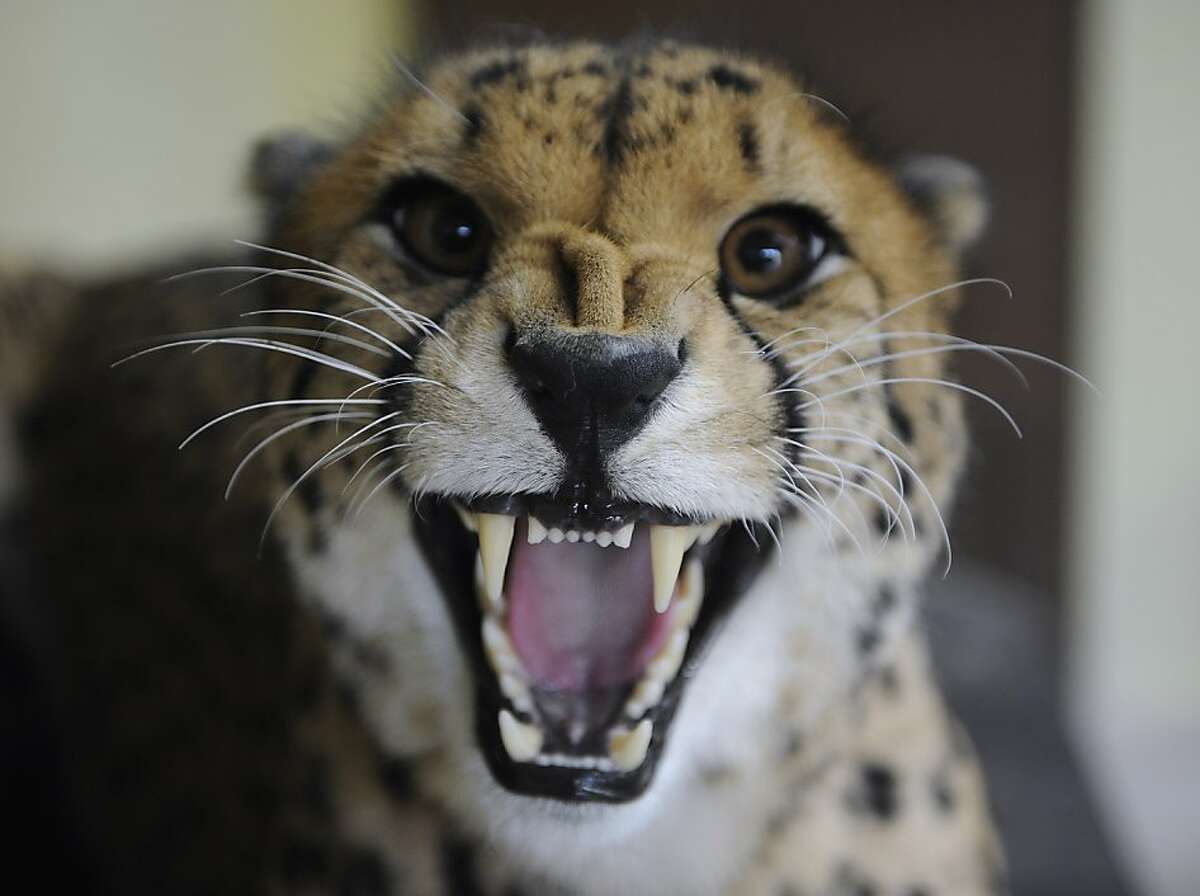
(993, 647)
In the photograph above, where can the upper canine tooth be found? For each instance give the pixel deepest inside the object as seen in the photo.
(667, 547)
(537, 532)
(521, 741)
(627, 749)
(623, 537)
(495, 541)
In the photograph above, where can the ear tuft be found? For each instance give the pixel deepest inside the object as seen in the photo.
(282, 163)
(951, 194)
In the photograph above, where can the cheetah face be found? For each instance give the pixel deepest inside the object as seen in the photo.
(613, 324)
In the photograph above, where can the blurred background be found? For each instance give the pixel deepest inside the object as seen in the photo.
(1068, 629)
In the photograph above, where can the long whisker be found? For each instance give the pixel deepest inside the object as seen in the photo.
(932, 381)
(285, 348)
(278, 434)
(334, 319)
(275, 404)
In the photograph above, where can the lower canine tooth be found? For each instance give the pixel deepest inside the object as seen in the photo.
(537, 532)
(522, 742)
(627, 749)
(495, 541)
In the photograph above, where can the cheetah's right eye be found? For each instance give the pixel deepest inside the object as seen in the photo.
(440, 228)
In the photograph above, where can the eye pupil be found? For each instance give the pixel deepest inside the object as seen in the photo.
(761, 252)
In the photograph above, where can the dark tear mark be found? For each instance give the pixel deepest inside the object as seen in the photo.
(901, 422)
(475, 124)
(792, 414)
(728, 79)
(303, 379)
(747, 136)
(308, 490)
(458, 868)
(495, 72)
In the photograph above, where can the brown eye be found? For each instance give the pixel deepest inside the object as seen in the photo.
(774, 251)
(442, 230)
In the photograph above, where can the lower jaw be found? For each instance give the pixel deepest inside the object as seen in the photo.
(592, 770)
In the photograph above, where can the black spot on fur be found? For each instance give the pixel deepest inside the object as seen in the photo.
(728, 79)
(889, 681)
(548, 139)
(868, 638)
(685, 87)
(304, 861)
(595, 69)
(458, 868)
(747, 137)
(849, 881)
(879, 791)
(364, 874)
(495, 72)
(943, 793)
(901, 422)
(475, 124)
(397, 778)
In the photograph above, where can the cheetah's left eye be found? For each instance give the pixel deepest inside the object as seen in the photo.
(773, 252)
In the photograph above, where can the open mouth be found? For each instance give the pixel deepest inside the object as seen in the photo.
(583, 622)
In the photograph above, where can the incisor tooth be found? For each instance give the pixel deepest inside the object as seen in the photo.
(522, 742)
(537, 532)
(667, 547)
(623, 537)
(495, 541)
(627, 749)
(604, 539)
(708, 530)
(555, 536)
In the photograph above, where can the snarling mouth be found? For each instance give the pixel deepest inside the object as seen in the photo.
(584, 621)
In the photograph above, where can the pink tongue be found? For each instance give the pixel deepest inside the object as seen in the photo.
(580, 616)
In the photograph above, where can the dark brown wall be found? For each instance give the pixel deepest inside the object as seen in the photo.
(985, 81)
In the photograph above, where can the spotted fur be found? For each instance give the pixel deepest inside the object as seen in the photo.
(811, 754)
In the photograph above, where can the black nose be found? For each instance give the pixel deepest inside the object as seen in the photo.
(592, 393)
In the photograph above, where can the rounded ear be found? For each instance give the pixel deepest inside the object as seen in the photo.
(951, 194)
(281, 164)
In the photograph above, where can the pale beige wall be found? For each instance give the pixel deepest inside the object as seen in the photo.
(1135, 594)
(126, 122)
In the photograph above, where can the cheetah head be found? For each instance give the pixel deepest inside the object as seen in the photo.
(633, 361)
